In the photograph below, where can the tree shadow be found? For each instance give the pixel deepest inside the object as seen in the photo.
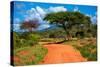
(56, 42)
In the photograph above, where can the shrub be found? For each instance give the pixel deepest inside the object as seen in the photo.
(86, 52)
(25, 39)
(34, 38)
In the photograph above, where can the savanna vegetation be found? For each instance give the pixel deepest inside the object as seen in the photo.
(71, 28)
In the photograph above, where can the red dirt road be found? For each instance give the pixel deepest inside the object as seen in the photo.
(58, 53)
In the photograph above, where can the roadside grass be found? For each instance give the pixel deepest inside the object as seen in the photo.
(35, 54)
(89, 51)
(30, 55)
(87, 48)
(50, 40)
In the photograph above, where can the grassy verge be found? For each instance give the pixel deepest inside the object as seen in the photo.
(31, 55)
(87, 47)
(88, 51)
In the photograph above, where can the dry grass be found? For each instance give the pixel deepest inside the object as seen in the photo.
(29, 55)
(87, 47)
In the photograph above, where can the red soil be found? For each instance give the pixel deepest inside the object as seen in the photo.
(61, 53)
(57, 53)
(16, 59)
(24, 52)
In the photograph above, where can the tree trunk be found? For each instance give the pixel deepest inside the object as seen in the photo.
(68, 37)
(30, 30)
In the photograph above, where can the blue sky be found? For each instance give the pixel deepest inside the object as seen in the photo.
(24, 11)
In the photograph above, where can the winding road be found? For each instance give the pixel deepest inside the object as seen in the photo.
(58, 53)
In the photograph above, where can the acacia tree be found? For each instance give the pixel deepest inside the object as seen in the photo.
(67, 20)
(29, 25)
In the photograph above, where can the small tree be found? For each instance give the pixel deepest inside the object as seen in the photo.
(29, 37)
(29, 25)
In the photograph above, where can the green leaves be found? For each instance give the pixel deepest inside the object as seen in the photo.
(70, 17)
(25, 39)
(68, 20)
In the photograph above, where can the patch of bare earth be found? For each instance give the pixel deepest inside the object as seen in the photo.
(23, 54)
(58, 53)
(16, 59)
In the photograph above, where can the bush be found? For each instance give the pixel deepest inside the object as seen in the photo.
(16, 40)
(86, 52)
(34, 38)
(25, 39)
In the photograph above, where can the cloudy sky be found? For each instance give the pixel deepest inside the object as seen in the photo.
(24, 11)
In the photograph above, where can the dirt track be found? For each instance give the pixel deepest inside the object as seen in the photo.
(58, 53)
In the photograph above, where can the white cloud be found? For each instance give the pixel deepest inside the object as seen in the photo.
(43, 26)
(16, 20)
(88, 15)
(16, 27)
(57, 9)
(32, 10)
(40, 11)
(94, 19)
(35, 13)
(76, 9)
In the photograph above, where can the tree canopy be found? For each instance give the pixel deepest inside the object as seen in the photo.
(67, 20)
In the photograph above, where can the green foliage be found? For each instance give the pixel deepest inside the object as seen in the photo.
(17, 41)
(34, 39)
(72, 22)
(87, 48)
(51, 40)
(38, 52)
(86, 52)
(68, 18)
(25, 39)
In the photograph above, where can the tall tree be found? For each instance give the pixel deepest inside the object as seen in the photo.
(67, 20)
